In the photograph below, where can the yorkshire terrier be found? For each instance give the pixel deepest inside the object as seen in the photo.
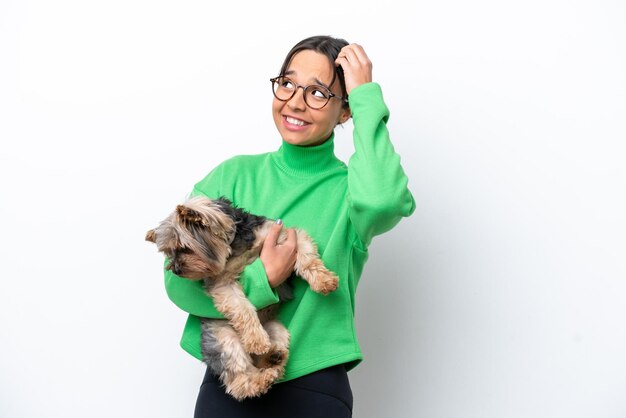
(213, 241)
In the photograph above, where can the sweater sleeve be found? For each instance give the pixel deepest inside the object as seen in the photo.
(190, 296)
(378, 195)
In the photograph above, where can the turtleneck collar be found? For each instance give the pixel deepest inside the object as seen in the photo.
(307, 161)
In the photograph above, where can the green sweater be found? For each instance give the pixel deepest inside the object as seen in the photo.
(341, 207)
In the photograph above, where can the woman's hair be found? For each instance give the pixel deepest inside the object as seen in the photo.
(325, 45)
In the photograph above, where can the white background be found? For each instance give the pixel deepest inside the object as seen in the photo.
(502, 296)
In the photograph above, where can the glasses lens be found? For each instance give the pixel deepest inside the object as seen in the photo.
(283, 88)
(316, 96)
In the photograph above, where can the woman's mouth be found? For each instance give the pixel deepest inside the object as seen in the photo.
(294, 124)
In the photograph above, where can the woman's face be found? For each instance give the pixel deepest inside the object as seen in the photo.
(297, 123)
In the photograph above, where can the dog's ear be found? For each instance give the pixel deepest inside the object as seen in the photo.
(189, 215)
(151, 236)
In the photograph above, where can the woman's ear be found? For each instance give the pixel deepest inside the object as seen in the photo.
(344, 115)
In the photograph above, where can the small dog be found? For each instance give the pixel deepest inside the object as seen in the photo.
(213, 241)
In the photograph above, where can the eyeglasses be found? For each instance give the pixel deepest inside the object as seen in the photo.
(315, 96)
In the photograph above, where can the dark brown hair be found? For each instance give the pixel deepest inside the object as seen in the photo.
(325, 45)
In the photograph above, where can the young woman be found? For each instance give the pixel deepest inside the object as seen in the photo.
(322, 83)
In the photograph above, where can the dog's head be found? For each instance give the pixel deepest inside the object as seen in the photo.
(196, 238)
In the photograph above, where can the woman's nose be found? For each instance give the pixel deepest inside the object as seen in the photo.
(297, 100)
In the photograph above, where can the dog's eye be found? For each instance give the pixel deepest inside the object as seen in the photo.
(183, 250)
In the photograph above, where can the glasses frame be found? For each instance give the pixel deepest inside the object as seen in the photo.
(304, 89)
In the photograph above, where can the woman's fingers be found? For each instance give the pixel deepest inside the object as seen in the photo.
(357, 67)
(273, 234)
(292, 238)
(359, 53)
(355, 55)
(279, 259)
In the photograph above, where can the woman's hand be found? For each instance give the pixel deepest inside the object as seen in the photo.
(279, 259)
(357, 67)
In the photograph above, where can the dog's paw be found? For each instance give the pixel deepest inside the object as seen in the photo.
(325, 283)
(252, 385)
(244, 386)
(275, 357)
(241, 393)
(256, 342)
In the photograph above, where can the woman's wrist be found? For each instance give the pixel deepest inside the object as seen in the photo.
(273, 276)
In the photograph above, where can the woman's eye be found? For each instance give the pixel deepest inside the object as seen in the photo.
(287, 84)
(319, 94)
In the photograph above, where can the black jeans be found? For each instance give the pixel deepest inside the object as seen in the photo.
(322, 394)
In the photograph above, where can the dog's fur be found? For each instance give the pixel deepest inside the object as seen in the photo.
(213, 241)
